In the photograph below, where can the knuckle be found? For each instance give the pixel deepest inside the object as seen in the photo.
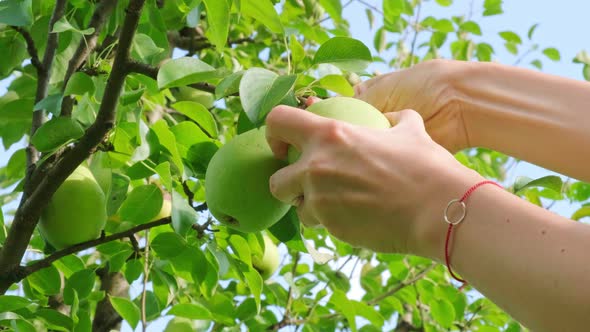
(334, 132)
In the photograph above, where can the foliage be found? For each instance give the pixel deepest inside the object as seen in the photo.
(158, 86)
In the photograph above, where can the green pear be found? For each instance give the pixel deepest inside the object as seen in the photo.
(237, 183)
(351, 110)
(268, 264)
(76, 212)
(101, 169)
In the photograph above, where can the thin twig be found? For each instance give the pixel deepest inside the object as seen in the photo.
(31, 48)
(402, 285)
(146, 272)
(370, 6)
(416, 33)
(47, 261)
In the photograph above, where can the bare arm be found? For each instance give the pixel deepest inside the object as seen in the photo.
(529, 261)
(537, 117)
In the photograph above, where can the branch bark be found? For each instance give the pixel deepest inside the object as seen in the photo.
(86, 46)
(47, 261)
(31, 48)
(106, 318)
(29, 210)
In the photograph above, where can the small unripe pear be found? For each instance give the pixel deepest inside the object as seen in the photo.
(268, 264)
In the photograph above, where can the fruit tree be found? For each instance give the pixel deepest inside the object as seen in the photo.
(121, 119)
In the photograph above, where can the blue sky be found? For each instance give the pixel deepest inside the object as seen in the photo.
(562, 24)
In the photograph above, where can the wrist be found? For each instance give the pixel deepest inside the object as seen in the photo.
(430, 228)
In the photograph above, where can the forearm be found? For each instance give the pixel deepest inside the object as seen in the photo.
(529, 261)
(536, 117)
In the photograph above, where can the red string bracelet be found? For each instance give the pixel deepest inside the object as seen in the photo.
(461, 202)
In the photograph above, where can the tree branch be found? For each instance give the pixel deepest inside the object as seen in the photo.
(47, 261)
(106, 318)
(28, 212)
(31, 48)
(87, 45)
(143, 68)
(402, 285)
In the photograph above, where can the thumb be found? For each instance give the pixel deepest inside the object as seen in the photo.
(407, 116)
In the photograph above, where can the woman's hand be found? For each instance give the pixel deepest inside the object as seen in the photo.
(378, 189)
(427, 88)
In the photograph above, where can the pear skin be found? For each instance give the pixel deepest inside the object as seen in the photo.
(237, 183)
(76, 212)
(350, 110)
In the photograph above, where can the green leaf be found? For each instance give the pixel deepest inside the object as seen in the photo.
(261, 90)
(55, 320)
(55, 133)
(443, 25)
(51, 104)
(163, 171)
(552, 182)
(579, 191)
(338, 84)
(79, 84)
(241, 248)
(133, 269)
(229, 85)
(191, 311)
(443, 312)
(12, 302)
(532, 30)
(199, 114)
(510, 37)
(444, 3)
(511, 47)
(142, 204)
(297, 50)
(586, 72)
(16, 12)
(333, 8)
(552, 53)
(492, 7)
(22, 325)
(345, 307)
(582, 212)
(145, 49)
(127, 309)
(345, 53)
(288, 228)
(47, 281)
(217, 21)
(82, 281)
(118, 193)
(471, 27)
(263, 12)
(370, 313)
(183, 215)
(64, 25)
(199, 155)
(537, 64)
(183, 71)
(168, 141)
(255, 284)
(168, 245)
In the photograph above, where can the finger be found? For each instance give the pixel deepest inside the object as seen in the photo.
(306, 217)
(409, 117)
(286, 184)
(311, 100)
(290, 126)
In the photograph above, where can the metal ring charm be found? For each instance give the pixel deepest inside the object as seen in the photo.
(456, 222)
